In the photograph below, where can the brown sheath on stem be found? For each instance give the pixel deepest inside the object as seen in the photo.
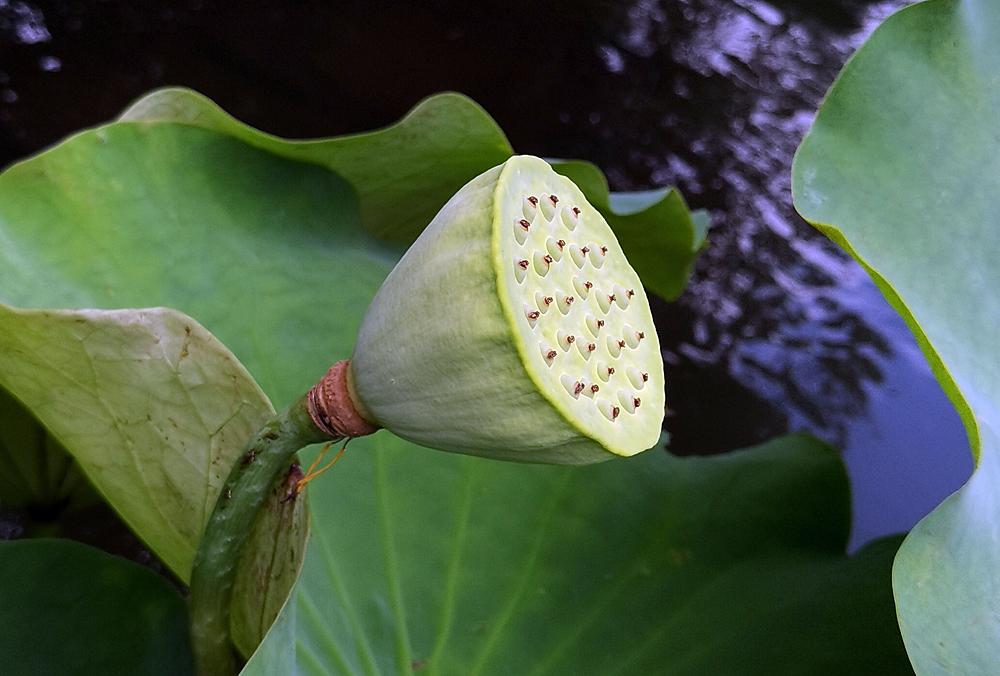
(332, 408)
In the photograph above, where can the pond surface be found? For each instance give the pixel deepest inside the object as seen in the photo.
(778, 331)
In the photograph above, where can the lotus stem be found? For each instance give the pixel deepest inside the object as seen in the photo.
(325, 413)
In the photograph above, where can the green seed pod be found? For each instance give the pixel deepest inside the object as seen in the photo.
(514, 328)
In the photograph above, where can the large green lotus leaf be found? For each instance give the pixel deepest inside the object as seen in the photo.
(902, 168)
(428, 563)
(404, 173)
(428, 556)
(155, 410)
(66, 608)
(152, 406)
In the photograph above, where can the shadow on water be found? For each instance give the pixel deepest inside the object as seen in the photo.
(779, 329)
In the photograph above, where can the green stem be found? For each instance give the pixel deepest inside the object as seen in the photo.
(267, 455)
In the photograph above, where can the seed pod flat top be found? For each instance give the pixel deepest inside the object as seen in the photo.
(581, 320)
(514, 328)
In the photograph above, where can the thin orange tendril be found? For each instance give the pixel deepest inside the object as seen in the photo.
(312, 472)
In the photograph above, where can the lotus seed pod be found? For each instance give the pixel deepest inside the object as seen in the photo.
(514, 328)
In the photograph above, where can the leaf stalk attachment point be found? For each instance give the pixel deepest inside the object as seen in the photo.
(326, 413)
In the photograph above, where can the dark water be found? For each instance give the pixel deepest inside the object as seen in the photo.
(778, 331)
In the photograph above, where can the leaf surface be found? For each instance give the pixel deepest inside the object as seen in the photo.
(404, 174)
(155, 411)
(435, 564)
(66, 608)
(902, 169)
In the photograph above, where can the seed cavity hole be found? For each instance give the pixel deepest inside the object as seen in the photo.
(532, 315)
(566, 303)
(565, 339)
(582, 286)
(548, 206)
(548, 354)
(543, 302)
(615, 346)
(555, 247)
(627, 400)
(594, 325)
(529, 207)
(621, 296)
(577, 254)
(521, 228)
(570, 218)
(520, 268)
(631, 336)
(572, 385)
(598, 255)
(635, 376)
(542, 262)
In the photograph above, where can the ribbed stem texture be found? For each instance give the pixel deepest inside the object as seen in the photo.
(268, 454)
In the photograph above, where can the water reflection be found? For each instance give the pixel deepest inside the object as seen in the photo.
(22, 23)
(734, 84)
(779, 329)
